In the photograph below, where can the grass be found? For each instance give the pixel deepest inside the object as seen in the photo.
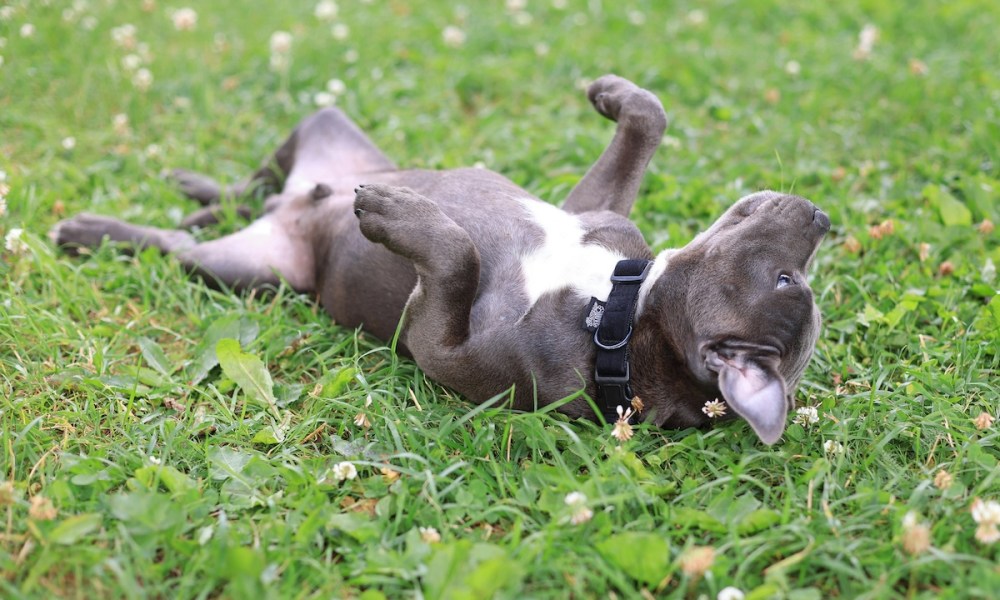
(170, 479)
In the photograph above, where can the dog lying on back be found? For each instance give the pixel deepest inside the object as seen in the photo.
(504, 293)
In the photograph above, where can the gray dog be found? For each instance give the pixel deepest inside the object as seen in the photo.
(504, 293)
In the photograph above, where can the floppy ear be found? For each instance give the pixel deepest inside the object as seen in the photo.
(755, 392)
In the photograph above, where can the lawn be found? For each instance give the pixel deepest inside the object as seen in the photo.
(161, 439)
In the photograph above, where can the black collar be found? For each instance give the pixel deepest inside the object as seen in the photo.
(611, 323)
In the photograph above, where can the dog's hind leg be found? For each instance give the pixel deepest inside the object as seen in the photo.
(613, 181)
(273, 248)
(324, 146)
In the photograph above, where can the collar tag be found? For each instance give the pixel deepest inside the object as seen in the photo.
(595, 313)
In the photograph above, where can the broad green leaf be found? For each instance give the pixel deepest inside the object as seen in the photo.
(951, 210)
(870, 315)
(224, 462)
(692, 517)
(333, 387)
(643, 556)
(242, 561)
(466, 571)
(357, 526)
(154, 355)
(74, 528)
(230, 326)
(272, 434)
(171, 478)
(249, 372)
(758, 520)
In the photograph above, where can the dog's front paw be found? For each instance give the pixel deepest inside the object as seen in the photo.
(399, 218)
(615, 98)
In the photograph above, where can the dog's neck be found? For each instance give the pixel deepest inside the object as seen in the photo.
(661, 378)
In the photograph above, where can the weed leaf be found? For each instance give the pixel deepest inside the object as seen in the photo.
(643, 556)
(249, 372)
(74, 528)
(154, 356)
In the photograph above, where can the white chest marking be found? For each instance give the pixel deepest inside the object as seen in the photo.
(563, 260)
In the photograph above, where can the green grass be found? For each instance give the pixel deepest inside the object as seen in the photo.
(170, 481)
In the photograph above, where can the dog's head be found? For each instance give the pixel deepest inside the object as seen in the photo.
(749, 322)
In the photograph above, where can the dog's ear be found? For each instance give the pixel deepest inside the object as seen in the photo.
(753, 389)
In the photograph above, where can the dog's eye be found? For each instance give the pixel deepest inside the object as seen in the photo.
(783, 280)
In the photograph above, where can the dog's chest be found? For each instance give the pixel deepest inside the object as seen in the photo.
(563, 260)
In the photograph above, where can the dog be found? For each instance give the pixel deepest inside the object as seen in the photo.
(502, 293)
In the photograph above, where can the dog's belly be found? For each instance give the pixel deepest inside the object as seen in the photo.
(528, 250)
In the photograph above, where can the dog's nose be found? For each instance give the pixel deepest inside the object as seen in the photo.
(821, 220)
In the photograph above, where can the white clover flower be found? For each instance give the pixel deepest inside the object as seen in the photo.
(516, 5)
(6, 12)
(714, 408)
(833, 447)
(142, 80)
(636, 17)
(696, 17)
(344, 470)
(3, 205)
(340, 32)
(326, 10)
(351, 56)
(579, 512)
(730, 593)
(124, 36)
(154, 460)
(120, 123)
(1, 60)
(559, 4)
(27, 30)
(68, 143)
(429, 535)
(987, 516)
(793, 68)
(337, 88)
(522, 19)
(131, 62)
(13, 242)
(281, 42)
(916, 535)
(185, 19)
(806, 415)
(324, 99)
(453, 36)
(622, 430)
(983, 421)
(541, 49)
(89, 23)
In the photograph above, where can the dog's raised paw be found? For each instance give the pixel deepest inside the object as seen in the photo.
(615, 97)
(401, 219)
